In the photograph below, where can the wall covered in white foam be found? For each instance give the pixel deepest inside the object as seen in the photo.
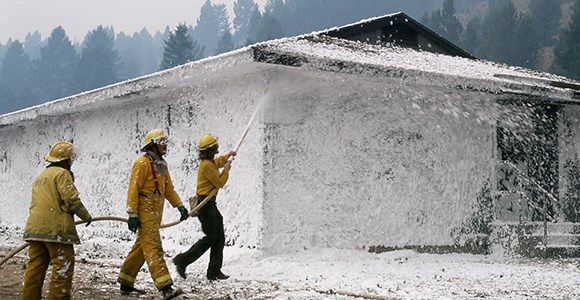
(108, 133)
(333, 159)
(357, 161)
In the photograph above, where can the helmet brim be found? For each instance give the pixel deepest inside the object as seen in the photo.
(52, 159)
(209, 146)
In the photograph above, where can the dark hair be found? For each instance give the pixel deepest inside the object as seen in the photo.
(208, 153)
(65, 164)
(149, 146)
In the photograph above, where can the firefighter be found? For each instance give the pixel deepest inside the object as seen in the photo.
(50, 229)
(212, 223)
(150, 184)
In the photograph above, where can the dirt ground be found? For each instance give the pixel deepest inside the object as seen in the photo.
(94, 279)
(97, 280)
(328, 274)
(90, 281)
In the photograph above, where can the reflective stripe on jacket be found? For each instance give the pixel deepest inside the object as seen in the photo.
(55, 200)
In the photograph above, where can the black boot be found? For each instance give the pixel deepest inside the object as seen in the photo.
(170, 292)
(129, 289)
(217, 276)
(180, 267)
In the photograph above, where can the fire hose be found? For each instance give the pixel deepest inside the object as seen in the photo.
(119, 219)
(193, 211)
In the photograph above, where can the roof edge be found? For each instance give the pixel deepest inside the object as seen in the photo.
(398, 18)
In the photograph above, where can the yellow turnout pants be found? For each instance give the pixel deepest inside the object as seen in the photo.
(147, 248)
(41, 254)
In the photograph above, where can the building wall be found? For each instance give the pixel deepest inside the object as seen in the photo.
(333, 160)
(108, 134)
(355, 161)
(569, 161)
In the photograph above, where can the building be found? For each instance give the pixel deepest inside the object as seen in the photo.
(357, 145)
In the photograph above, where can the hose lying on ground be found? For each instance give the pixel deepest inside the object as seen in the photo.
(119, 219)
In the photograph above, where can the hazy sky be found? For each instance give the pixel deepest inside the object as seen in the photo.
(77, 17)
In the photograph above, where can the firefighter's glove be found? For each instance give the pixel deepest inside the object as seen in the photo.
(184, 213)
(89, 221)
(133, 223)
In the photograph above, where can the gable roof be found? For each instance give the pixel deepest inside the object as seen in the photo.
(319, 51)
(399, 29)
(324, 53)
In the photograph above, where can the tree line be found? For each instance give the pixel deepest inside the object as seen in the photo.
(535, 38)
(35, 70)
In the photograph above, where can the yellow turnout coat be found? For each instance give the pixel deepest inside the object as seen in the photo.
(55, 200)
(145, 199)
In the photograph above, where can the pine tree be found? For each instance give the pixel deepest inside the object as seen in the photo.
(498, 31)
(451, 25)
(255, 22)
(128, 52)
(3, 49)
(433, 21)
(470, 38)
(221, 14)
(268, 29)
(545, 19)
(524, 47)
(243, 10)
(99, 63)
(267, 26)
(225, 44)
(445, 22)
(180, 48)
(212, 23)
(140, 53)
(54, 70)
(32, 44)
(301, 16)
(277, 10)
(15, 79)
(150, 51)
(567, 51)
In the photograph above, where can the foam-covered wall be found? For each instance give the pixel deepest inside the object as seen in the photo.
(108, 133)
(356, 161)
(569, 146)
(332, 160)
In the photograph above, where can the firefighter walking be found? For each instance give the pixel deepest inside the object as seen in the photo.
(150, 184)
(50, 229)
(212, 223)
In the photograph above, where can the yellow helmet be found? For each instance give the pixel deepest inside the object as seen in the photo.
(154, 136)
(207, 141)
(59, 152)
